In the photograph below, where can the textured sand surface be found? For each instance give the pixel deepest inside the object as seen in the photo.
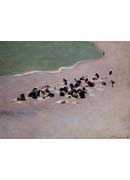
(103, 114)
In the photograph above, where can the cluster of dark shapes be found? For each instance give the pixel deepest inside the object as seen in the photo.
(74, 90)
(35, 93)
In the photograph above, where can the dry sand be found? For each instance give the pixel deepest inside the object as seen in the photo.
(103, 114)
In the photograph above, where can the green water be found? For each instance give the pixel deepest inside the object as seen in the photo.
(22, 56)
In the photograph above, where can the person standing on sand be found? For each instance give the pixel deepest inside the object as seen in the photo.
(113, 83)
(110, 72)
(103, 53)
(65, 82)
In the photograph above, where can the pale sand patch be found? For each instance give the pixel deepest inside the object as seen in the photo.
(103, 114)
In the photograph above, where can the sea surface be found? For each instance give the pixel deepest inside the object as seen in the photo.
(23, 56)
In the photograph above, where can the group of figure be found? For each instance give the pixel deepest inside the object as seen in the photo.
(43, 92)
(77, 89)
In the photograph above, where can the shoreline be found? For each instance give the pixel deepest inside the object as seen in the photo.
(62, 68)
(55, 70)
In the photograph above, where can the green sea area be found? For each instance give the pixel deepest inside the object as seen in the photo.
(22, 56)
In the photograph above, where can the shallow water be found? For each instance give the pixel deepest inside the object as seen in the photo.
(23, 56)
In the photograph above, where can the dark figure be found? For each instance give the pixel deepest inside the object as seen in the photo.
(86, 80)
(110, 73)
(47, 90)
(64, 89)
(51, 94)
(82, 78)
(61, 89)
(21, 98)
(91, 84)
(97, 75)
(113, 83)
(82, 94)
(35, 93)
(62, 93)
(71, 86)
(94, 78)
(65, 82)
(104, 83)
(77, 84)
(72, 92)
(103, 53)
(84, 89)
(75, 95)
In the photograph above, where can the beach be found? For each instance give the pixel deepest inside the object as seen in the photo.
(105, 113)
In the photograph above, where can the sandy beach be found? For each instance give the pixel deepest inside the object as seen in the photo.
(105, 113)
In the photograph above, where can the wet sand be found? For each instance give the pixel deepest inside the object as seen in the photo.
(105, 113)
